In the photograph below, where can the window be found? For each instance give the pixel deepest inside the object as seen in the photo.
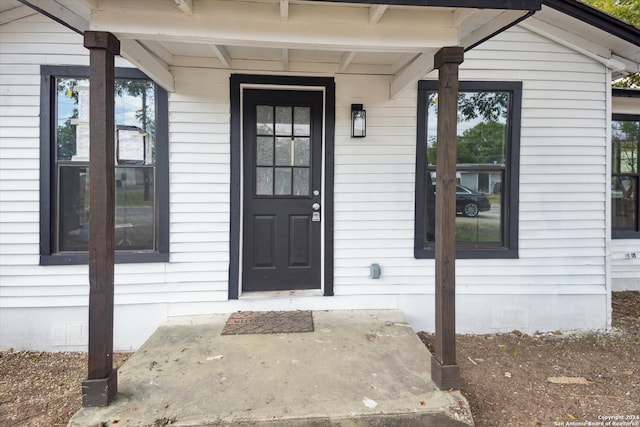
(141, 193)
(625, 171)
(486, 172)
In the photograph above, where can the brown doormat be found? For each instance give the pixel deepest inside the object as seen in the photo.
(268, 322)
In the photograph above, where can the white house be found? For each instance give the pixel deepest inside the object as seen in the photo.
(239, 185)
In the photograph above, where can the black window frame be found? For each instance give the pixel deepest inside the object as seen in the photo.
(48, 89)
(424, 249)
(626, 234)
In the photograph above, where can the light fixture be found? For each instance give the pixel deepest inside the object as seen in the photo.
(358, 121)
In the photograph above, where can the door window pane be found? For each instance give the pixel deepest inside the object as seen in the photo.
(301, 181)
(284, 120)
(264, 181)
(283, 181)
(301, 152)
(264, 120)
(283, 151)
(302, 121)
(264, 151)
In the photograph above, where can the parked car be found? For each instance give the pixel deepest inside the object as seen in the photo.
(470, 203)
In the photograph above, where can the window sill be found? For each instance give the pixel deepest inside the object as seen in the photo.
(121, 258)
(625, 235)
(467, 253)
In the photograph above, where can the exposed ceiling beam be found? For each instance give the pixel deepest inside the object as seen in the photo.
(222, 55)
(346, 59)
(59, 13)
(285, 59)
(186, 6)
(16, 13)
(422, 65)
(135, 53)
(158, 50)
(284, 10)
(376, 12)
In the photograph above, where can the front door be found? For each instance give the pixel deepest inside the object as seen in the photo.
(282, 176)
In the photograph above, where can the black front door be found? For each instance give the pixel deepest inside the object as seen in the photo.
(282, 176)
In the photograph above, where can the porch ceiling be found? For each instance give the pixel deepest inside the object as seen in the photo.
(297, 36)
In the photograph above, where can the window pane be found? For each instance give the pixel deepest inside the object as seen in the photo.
(134, 217)
(284, 120)
(264, 120)
(283, 181)
(478, 214)
(301, 152)
(72, 119)
(135, 213)
(135, 106)
(302, 121)
(625, 136)
(623, 203)
(73, 210)
(264, 181)
(482, 126)
(264, 151)
(283, 152)
(301, 181)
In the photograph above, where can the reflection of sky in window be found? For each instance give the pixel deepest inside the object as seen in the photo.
(126, 106)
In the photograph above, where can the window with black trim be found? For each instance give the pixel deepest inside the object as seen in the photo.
(141, 195)
(487, 169)
(625, 176)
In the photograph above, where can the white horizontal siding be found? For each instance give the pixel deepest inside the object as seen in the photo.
(199, 182)
(562, 177)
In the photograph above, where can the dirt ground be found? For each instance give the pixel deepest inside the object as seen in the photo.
(507, 378)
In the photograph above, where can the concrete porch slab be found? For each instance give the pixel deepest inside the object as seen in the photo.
(358, 368)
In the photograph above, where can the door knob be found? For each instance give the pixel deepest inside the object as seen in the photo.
(316, 206)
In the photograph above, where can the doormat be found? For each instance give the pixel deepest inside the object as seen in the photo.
(268, 322)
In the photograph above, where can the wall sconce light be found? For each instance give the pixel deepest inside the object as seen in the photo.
(358, 121)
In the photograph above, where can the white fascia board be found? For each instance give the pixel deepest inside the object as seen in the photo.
(135, 53)
(550, 31)
(303, 33)
(593, 51)
(15, 14)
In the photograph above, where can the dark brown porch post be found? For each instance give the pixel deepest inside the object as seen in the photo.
(101, 384)
(445, 372)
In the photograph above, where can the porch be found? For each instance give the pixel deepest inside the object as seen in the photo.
(357, 368)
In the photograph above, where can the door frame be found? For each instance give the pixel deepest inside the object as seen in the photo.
(238, 82)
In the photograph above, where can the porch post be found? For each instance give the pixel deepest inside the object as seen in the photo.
(101, 384)
(445, 371)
